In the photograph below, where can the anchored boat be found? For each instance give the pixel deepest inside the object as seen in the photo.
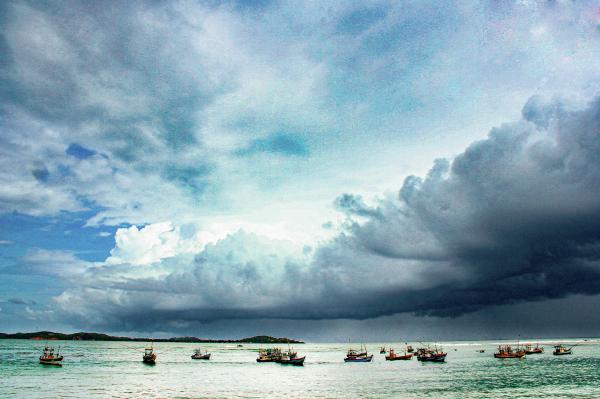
(198, 355)
(50, 358)
(394, 356)
(507, 352)
(530, 350)
(291, 357)
(562, 350)
(431, 355)
(149, 356)
(358, 356)
(269, 355)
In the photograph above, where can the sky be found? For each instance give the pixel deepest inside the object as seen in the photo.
(374, 170)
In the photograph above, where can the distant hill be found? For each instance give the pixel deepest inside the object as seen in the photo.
(89, 336)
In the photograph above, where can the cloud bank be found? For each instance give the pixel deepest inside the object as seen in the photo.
(513, 218)
(241, 152)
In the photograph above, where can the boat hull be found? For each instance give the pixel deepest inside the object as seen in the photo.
(201, 357)
(511, 356)
(433, 358)
(403, 357)
(361, 359)
(149, 360)
(297, 361)
(562, 353)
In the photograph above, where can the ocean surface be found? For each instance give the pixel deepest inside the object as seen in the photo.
(114, 369)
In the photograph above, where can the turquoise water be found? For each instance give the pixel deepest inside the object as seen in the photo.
(114, 369)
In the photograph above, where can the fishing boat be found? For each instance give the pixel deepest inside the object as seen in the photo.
(198, 355)
(481, 350)
(269, 355)
(431, 355)
(530, 350)
(394, 356)
(560, 350)
(295, 361)
(149, 356)
(507, 352)
(50, 358)
(382, 350)
(358, 356)
(359, 359)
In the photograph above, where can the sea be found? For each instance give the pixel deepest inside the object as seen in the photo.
(95, 369)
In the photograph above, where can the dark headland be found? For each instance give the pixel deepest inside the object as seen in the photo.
(88, 336)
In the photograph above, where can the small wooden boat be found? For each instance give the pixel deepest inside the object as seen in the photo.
(433, 356)
(269, 355)
(507, 352)
(382, 350)
(560, 350)
(530, 350)
(394, 356)
(358, 356)
(149, 356)
(359, 359)
(50, 358)
(429, 354)
(295, 361)
(198, 355)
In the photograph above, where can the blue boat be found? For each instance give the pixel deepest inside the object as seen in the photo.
(356, 356)
(359, 359)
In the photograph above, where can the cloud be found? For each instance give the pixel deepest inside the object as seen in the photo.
(152, 243)
(102, 135)
(79, 152)
(146, 135)
(513, 218)
(57, 263)
(240, 275)
(278, 143)
(354, 205)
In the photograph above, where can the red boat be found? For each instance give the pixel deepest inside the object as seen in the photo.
(506, 352)
(50, 358)
(394, 356)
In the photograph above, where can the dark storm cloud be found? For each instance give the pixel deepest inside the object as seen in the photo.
(514, 218)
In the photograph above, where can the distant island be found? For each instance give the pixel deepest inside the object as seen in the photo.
(88, 336)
